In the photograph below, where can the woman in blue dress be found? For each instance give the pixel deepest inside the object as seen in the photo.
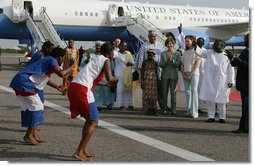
(27, 84)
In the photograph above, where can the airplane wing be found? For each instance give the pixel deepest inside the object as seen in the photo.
(227, 31)
(242, 27)
(224, 31)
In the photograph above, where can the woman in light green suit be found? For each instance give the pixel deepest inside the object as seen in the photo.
(170, 62)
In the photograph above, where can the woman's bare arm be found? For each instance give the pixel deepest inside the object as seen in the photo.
(60, 72)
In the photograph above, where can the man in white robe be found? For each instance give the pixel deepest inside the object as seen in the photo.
(217, 81)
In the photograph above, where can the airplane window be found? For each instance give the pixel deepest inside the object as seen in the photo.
(226, 20)
(198, 19)
(229, 21)
(174, 18)
(96, 14)
(203, 19)
(190, 18)
(233, 20)
(76, 13)
(214, 20)
(91, 14)
(210, 20)
(169, 17)
(157, 17)
(218, 20)
(81, 13)
(222, 20)
(206, 19)
(86, 14)
(194, 19)
(166, 17)
(148, 17)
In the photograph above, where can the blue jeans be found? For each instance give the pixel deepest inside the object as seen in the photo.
(191, 87)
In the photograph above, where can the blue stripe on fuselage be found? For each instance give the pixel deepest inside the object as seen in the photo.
(10, 30)
(91, 33)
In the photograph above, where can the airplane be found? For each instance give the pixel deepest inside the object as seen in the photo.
(91, 20)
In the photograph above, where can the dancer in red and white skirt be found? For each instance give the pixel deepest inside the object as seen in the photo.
(80, 94)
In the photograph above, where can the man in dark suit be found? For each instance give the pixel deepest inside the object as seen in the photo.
(242, 83)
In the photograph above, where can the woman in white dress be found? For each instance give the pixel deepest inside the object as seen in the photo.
(190, 73)
(123, 71)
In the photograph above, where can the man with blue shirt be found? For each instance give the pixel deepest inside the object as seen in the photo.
(141, 57)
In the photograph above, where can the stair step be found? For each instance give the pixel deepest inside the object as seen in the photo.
(37, 20)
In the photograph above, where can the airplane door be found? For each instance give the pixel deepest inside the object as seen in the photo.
(116, 14)
(112, 13)
(120, 11)
(28, 6)
(18, 12)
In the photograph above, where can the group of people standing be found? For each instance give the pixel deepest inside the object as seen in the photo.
(121, 67)
(206, 75)
(106, 78)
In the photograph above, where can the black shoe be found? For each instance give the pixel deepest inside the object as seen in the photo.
(222, 120)
(200, 111)
(211, 120)
(240, 131)
(154, 113)
(109, 107)
(149, 113)
(173, 112)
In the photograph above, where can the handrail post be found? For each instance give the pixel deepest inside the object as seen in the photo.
(47, 19)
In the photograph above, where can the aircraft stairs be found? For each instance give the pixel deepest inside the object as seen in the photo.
(41, 29)
(139, 27)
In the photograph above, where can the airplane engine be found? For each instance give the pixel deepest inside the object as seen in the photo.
(194, 33)
(235, 41)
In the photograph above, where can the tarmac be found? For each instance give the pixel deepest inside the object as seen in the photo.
(122, 136)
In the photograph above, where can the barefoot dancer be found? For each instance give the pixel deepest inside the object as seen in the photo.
(80, 94)
(28, 82)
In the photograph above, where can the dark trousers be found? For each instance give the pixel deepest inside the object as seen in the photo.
(159, 94)
(166, 84)
(244, 122)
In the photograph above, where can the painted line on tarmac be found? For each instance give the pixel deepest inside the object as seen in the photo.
(182, 153)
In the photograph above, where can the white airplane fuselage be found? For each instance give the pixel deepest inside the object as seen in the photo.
(89, 20)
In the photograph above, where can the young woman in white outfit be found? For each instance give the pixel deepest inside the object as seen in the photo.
(190, 73)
